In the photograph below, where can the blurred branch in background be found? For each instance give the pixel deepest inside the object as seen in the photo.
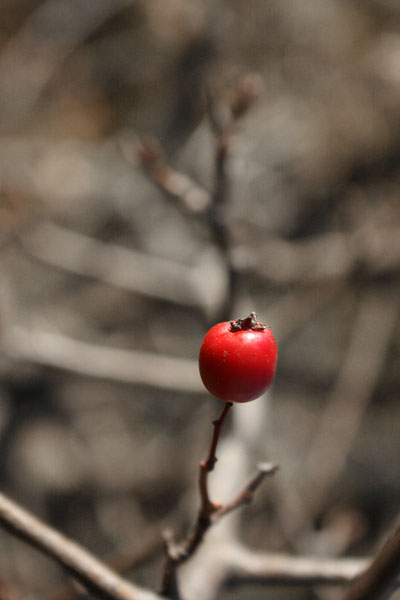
(93, 574)
(122, 562)
(136, 272)
(224, 118)
(241, 565)
(58, 351)
(335, 255)
(33, 56)
(174, 183)
(341, 417)
(248, 566)
(381, 578)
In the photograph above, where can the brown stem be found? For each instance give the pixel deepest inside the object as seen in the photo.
(178, 554)
(246, 495)
(209, 512)
(206, 466)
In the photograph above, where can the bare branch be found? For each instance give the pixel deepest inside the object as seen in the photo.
(341, 417)
(272, 568)
(206, 466)
(222, 122)
(178, 185)
(209, 512)
(174, 183)
(378, 580)
(223, 118)
(115, 265)
(176, 555)
(247, 494)
(127, 366)
(89, 571)
(124, 560)
(234, 454)
(324, 257)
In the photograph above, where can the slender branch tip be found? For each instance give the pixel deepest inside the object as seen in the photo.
(269, 468)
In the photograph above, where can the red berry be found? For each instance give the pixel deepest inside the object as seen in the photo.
(237, 359)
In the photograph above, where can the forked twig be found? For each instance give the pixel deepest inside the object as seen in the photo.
(246, 495)
(341, 418)
(209, 511)
(176, 555)
(223, 118)
(174, 183)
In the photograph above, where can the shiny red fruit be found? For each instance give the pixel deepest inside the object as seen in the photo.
(237, 359)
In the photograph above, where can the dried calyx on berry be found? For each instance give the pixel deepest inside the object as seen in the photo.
(249, 322)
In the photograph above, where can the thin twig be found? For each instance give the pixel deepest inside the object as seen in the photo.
(174, 183)
(223, 126)
(176, 555)
(206, 466)
(209, 512)
(224, 120)
(341, 417)
(217, 210)
(96, 577)
(213, 555)
(246, 495)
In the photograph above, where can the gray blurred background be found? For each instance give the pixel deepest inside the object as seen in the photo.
(109, 283)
